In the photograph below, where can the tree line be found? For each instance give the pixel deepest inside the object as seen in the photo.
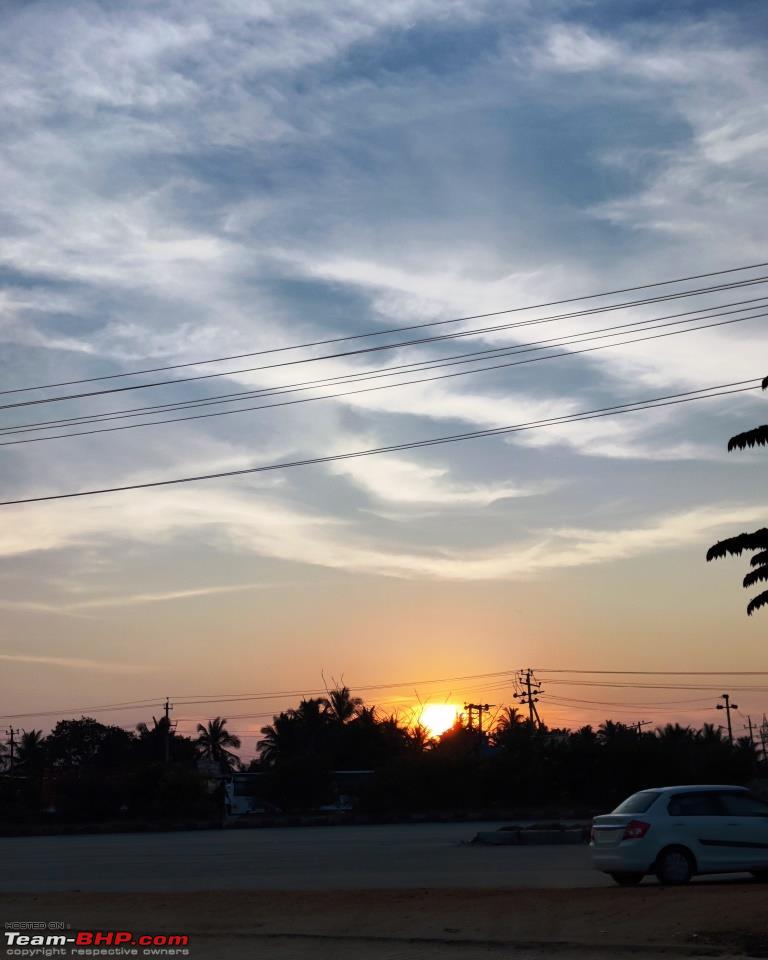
(513, 766)
(87, 770)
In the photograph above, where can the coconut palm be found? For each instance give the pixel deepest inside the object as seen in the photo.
(213, 740)
(755, 542)
(342, 706)
(296, 732)
(510, 718)
(31, 751)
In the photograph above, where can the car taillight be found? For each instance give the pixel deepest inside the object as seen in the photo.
(636, 829)
(592, 834)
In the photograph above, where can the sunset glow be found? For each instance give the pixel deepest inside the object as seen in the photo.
(438, 717)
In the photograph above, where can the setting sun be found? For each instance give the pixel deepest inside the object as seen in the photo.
(438, 717)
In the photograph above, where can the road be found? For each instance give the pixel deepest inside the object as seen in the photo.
(394, 892)
(393, 856)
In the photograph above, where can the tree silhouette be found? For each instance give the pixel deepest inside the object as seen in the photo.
(342, 706)
(86, 742)
(31, 751)
(755, 542)
(296, 732)
(214, 739)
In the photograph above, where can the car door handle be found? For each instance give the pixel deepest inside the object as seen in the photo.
(733, 824)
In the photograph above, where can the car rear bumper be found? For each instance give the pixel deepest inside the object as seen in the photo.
(622, 860)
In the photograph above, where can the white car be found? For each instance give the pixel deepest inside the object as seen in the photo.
(678, 832)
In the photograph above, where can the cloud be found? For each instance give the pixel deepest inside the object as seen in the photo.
(407, 483)
(138, 599)
(74, 663)
(266, 528)
(227, 177)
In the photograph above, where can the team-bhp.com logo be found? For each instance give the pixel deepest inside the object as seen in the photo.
(96, 943)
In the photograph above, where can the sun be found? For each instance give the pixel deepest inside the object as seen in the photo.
(438, 717)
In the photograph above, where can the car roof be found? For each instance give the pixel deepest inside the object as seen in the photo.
(697, 788)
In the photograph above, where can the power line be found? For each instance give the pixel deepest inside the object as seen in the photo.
(331, 396)
(662, 673)
(614, 410)
(396, 370)
(511, 675)
(391, 346)
(653, 686)
(379, 333)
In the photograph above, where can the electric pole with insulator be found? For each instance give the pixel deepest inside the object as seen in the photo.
(167, 731)
(748, 726)
(728, 706)
(479, 709)
(11, 734)
(529, 695)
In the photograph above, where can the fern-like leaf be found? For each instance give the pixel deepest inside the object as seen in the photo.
(756, 576)
(759, 559)
(756, 602)
(750, 438)
(735, 546)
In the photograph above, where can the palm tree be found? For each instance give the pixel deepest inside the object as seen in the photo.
(342, 706)
(755, 542)
(31, 752)
(609, 730)
(510, 718)
(296, 732)
(675, 733)
(213, 740)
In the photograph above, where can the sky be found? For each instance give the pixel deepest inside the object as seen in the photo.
(189, 180)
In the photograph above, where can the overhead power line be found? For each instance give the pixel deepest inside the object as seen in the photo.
(500, 679)
(390, 346)
(614, 410)
(361, 390)
(662, 673)
(391, 330)
(384, 372)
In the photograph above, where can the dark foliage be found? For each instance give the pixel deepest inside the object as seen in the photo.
(756, 541)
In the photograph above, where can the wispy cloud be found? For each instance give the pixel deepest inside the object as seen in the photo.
(74, 663)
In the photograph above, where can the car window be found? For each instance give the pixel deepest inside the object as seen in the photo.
(638, 802)
(694, 805)
(743, 805)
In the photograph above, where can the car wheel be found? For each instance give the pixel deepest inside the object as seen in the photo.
(760, 875)
(627, 879)
(674, 866)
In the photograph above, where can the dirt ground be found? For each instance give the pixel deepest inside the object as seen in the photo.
(712, 919)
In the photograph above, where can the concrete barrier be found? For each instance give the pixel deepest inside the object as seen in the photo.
(523, 837)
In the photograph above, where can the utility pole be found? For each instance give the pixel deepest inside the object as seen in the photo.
(728, 706)
(639, 724)
(167, 731)
(764, 737)
(748, 726)
(529, 695)
(12, 746)
(479, 709)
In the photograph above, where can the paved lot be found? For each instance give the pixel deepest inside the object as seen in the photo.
(396, 856)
